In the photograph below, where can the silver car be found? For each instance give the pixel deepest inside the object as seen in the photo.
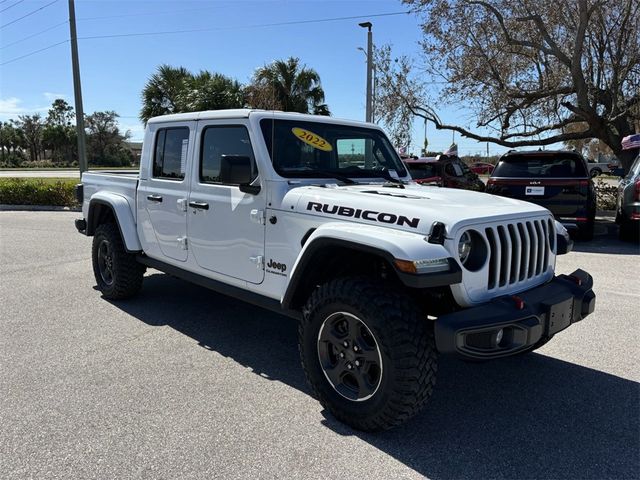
(628, 204)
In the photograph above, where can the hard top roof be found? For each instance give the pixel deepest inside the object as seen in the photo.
(246, 113)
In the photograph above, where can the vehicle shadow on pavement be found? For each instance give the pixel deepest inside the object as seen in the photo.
(606, 241)
(526, 417)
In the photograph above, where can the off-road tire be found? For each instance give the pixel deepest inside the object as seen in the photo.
(629, 231)
(586, 231)
(405, 341)
(126, 272)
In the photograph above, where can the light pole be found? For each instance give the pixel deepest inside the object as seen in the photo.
(77, 90)
(374, 86)
(369, 109)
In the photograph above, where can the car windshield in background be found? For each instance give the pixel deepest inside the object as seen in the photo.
(532, 166)
(422, 170)
(314, 149)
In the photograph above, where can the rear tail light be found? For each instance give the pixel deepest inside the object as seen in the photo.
(636, 195)
(491, 181)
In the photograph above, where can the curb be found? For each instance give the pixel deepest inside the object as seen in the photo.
(37, 208)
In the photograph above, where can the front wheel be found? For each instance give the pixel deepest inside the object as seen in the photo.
(117, 272)
(368, 353)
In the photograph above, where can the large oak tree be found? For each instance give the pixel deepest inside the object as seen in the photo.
(530, 70)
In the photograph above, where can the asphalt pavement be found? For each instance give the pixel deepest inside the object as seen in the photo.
(184, 383)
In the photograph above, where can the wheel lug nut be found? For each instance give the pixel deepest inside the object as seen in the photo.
(357, 362)
(345, 343)
(355, 348)
(341, 354)
(349, 366)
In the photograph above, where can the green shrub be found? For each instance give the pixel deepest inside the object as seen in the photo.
(606, 195)
(13, 159)
(38, 191)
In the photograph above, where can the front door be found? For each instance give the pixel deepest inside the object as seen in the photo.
(225, 226)
(164, 192)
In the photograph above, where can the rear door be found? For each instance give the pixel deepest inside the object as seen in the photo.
(165, 189)
(555, 181)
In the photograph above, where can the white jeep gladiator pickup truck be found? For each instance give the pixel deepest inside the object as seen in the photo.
(318, 218)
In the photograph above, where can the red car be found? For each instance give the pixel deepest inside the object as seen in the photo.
(481, 168)
(444, 171)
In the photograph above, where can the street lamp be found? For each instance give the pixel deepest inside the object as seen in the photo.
(369, 110)
(374, 86)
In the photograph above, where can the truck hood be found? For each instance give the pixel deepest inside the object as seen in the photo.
(413, 208)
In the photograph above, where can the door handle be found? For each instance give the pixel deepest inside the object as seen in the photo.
(154, 198)
(200, 205)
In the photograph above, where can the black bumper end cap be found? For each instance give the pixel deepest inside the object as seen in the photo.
(81, 225)
(564, 244)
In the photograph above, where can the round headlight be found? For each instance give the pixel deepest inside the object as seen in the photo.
(464, 247)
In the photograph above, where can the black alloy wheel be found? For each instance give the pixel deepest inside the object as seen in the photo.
(105, 262)
(349, 356)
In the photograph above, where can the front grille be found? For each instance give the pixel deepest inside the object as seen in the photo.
(519, 251)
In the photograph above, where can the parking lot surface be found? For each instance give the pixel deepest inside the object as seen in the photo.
(184, 383)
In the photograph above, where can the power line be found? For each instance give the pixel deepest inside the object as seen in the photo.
(147, 13)
(34, 35)
(13, 5)
(33, 53)
(298, 22)
(278, 24)
(28, 14)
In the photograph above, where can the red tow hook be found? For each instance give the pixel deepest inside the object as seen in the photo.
(518, 301)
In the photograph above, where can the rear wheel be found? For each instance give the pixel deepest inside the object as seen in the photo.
(367, 352)
(117, 272)
(629, 231)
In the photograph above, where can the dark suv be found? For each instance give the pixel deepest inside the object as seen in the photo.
(557, 180)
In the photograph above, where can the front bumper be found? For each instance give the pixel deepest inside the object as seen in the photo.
(512, 324)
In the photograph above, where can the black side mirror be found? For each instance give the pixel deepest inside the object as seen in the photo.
(236, 170)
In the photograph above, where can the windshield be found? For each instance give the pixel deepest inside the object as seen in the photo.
(314, 149)
(422, 170)
(540, 166)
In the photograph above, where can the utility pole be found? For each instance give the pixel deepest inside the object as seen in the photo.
(77, 90)
(369, 109)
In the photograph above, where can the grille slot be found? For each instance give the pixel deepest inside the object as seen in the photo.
(519, 251)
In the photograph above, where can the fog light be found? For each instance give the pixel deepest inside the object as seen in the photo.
(499, 336)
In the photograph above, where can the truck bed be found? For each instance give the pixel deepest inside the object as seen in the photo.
(123, 183)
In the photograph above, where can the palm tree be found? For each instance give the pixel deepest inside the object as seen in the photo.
(164, 92)
(176, 90)
(287, 86)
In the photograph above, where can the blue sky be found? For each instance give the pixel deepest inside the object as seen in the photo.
(114, 70)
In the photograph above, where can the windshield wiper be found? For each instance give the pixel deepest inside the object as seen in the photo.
(330, 174)
(387, 176)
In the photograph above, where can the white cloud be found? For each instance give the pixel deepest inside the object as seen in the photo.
(136, 129)
(53, 96)
(11, 107)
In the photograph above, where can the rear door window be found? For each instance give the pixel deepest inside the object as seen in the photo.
(530, 166)
(169, 160)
